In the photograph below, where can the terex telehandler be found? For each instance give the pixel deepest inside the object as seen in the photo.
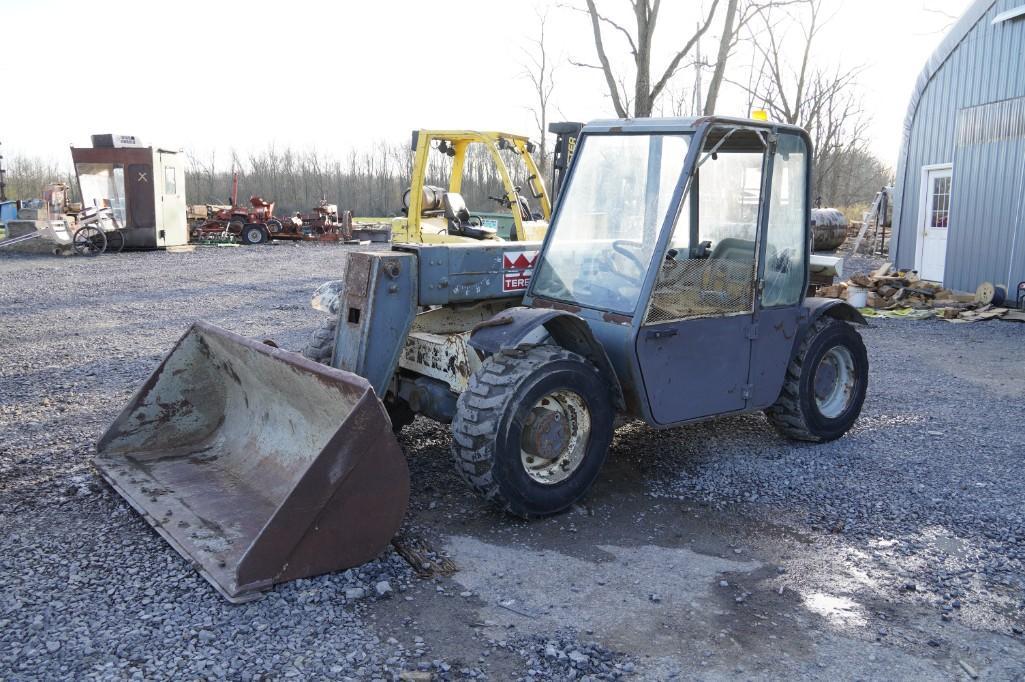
(669, 289)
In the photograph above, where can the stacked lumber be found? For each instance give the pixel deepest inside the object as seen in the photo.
(893, 290)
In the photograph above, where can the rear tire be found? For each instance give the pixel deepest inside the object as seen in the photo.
(115, 241)
(521, 406)
(825, 384)
(254, 234)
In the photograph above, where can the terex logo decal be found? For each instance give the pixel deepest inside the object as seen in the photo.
(518, 266)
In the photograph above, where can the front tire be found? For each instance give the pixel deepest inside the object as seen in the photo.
(321, 344)
(825, 384)
(533, 429)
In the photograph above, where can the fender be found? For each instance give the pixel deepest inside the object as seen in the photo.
(841, 310)
(814, 308)
(515, 326)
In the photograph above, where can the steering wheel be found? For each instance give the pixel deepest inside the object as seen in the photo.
(619, 246)
(503, 200)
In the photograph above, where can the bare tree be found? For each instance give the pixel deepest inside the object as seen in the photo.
(726, 43)
(739, 15)
(645, 90)
(824, 102)
(540, 70)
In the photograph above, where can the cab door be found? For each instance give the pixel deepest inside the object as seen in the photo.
(694, 347)
(783, 274)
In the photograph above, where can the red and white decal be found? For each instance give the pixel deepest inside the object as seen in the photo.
(518, 266)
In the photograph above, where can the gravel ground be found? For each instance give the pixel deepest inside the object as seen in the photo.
(916, 517)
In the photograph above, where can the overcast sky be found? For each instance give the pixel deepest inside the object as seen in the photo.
(212, 75)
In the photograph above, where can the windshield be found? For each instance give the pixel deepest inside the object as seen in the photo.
(609, 220)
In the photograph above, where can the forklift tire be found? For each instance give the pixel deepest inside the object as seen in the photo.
(321, 347)
(254, 234)
(825, 384)
(520, 406)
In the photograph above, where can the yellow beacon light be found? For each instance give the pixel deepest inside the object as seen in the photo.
(760, 115)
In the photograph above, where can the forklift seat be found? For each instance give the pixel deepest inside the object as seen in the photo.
(460, 222)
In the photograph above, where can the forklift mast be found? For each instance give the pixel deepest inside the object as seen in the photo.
(566, 134)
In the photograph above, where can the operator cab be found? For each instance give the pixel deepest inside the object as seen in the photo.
(683, 238)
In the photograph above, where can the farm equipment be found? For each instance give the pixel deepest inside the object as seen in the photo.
(253, 224)
(435, 215)
(657, 295)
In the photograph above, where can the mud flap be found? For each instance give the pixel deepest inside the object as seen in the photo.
(257, 465)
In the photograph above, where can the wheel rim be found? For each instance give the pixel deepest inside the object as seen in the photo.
(254, 235)
(834, 382)
(90, 241)
(554, 437)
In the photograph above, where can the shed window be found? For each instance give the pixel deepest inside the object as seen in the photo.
(170, 182)
(940, 202)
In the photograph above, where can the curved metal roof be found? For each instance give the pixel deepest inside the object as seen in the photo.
(958, 32)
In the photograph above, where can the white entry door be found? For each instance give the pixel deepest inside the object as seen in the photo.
(934, 222)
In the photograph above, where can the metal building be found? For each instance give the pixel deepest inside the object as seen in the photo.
(960, 207)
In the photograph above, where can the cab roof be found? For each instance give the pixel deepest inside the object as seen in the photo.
(678, 124)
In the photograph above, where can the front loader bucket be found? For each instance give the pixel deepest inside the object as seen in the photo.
(257, 465)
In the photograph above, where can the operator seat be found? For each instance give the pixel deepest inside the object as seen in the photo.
(732, 248)
(460, 222)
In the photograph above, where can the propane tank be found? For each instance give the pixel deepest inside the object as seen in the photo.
(828, 228)
(431, 198)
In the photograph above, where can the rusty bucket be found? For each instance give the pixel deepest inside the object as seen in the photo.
(257, 465)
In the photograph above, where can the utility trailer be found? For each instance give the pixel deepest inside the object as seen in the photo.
(670, 288)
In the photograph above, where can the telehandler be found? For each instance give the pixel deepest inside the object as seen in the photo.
(670, 288)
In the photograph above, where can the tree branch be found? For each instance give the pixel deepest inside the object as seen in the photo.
(671, 68)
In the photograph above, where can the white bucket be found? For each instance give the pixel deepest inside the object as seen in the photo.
(857, 296)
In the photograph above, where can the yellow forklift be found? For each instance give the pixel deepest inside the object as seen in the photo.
(436, 215)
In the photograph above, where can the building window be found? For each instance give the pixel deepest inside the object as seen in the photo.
(940, 202)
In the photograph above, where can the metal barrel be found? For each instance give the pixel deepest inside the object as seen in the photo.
(257, 465)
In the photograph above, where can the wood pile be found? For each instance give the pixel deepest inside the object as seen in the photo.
(892, 290)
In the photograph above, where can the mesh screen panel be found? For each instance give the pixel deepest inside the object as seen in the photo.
(692, 288)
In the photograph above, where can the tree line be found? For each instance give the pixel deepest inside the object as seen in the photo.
(370, 182)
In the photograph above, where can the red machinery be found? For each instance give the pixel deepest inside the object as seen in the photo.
(256, 224)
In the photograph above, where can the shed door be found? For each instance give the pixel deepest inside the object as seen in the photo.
(933, 222)
(172, 183)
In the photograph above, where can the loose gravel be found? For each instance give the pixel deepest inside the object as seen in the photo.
(925, 494)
